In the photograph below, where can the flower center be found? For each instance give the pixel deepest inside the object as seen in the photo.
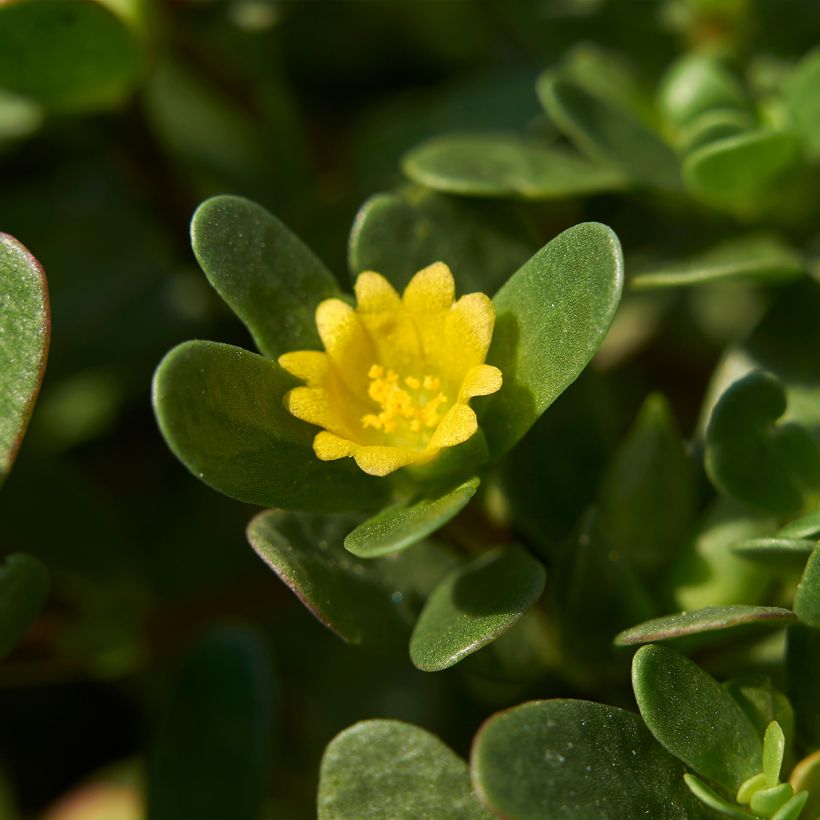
(410, 402)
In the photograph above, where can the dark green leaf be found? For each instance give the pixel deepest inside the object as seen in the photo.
(212, 751)
(710, 619)
(802, 674)
(70, 56)
(709, 797)
(220, 410)
(762, 704)
(571, 759)
(758, 258)
(473, 605)
(609, 133)
(807, 598)
(807, 526)
(372, 602)
(774, 468)
(551, 317)
(25, 327)
(24, 585)
(403, 524)
(803, 100)
(399, 233)
(271, 280)
(689, 712)
(783, 553)
(388, 770)
(647, 497)
(503, 165)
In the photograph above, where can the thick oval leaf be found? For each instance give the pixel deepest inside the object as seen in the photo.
(807, 526)
(756, 258)
(802, 674)
(24, 585)
(712, 619)
(212, 752)
(402, 525)
(785, 553)
(25, 328)
(70, 56)
(268, 276)
(504, 165)
(473, 605)
(803, 100)
(220, 410)
(399, 233)
(372, 602)
(773, 468)
(807, 597)
(694, 718)
(551, 317)
(762, 704)
(647, 497)
(389, 770)
(712, 126)
(733, 171)
(609, 133)
(571, 759)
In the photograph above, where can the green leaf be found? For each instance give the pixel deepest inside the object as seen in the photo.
(807, 598)
(504, 165)
(473, 605)
(551, 317)
(647, 497)
(69, 56)
(25, 328)
(220, 410)
(399, 233)
(363, 602)
(774, 468)
(212, 752)
(389, 770)
(269, 278)
(783, 553)
(403, 524)
(806, 777)
(712, 126)
(762, 704)
(774, 745)
(24, 585)
(713, 619)
(709, 797)
(807, 526)
(609, 133)
(571, 759)
(803, 101)
(756, 258)
(802, 674)
(732, 172)
(694, 718)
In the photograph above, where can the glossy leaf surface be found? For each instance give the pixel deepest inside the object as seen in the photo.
(551, 317)
(24, 585)
(220, 410)
(807, 598)
(473, 605)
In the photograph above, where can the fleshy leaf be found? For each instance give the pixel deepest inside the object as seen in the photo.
(568, 759)
(551, 317)
(70, 56)
(689, 712)
(212, 752)
(709, 797)
(713, 619)
(24, 585)
(25, 327)
(268, 276)
(807, 526)
(803, 101)
(806, 777)
(802, 674)
(473, 605)
(220, 410)
(784, 553)
(757, 258)
(389, 770)
(504, 165)
(647, 498)
(372, 602)
(398, 234)
(774, 468)
(807, 598)
(609, 133)
(762, 704)
(402, 525)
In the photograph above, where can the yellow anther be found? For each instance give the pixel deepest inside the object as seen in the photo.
(412, 382)
(432, 383)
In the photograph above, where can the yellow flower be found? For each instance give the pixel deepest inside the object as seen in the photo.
(394, 383)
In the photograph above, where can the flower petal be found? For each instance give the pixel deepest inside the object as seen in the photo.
(458, 424)
(480, 380)
(311, 366)
(431, 290)
(346, 342)
(329, 447)
(381, 461)
(315, 406)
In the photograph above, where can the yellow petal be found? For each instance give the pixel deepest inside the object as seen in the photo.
(458, 424)
(374, 294)
(481, 380)
(468, 330)
(315, 406)
(431, 290)
(329, 447)
(381, 461)
(310, 366)
(346, 342)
